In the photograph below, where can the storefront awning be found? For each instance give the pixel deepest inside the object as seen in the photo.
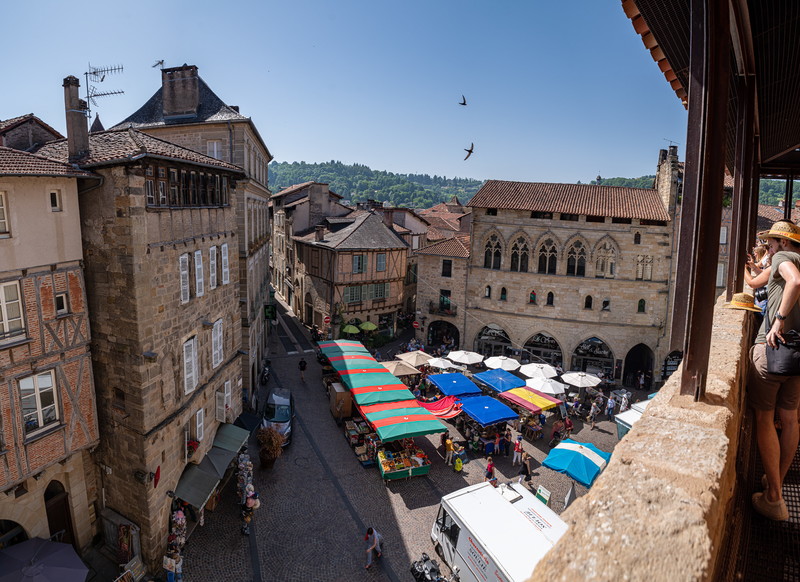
(454, 384)
(247, 421)
(216, 461)
(230, 438)
(393, 423)
(485, 410)
(196, 485)
(531, 399)
(499, 380)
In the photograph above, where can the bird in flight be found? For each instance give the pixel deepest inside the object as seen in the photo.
(469, 151)
(463, 100)
(157, 63)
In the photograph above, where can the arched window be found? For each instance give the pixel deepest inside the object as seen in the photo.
(576, 260)
(637, 238)
(503, 294)
(642, 305)
(550, 298)
(547, 257)
(605, 266)
(587, 303)
(492, 253)
(532, 297)
(519, 255)
(644, 268)
(488, 291)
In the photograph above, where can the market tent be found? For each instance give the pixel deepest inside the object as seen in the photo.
(415, 358)
(352, 362)
(372, 379)
(454, 384)
(400, 368)
(447, 407)
(485, 410)
(581, 461)
(499, 380)
(531, 399)
(343, 345)
(394, 423)
(364, 368)
(384, 393)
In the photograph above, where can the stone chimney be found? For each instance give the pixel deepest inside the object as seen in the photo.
(667, 178)
(180, 92)
(388, 217)
(319, 234)
(77, 124)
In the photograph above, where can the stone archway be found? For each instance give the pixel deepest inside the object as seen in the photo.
(59, 519)
(640, 358)
(593, 355)
(492, 340)
(543, 347)
(443, 332)
(11, 533)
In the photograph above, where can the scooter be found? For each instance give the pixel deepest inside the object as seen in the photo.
(427, 570)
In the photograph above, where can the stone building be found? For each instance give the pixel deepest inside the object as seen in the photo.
(576, 275)
(159, 238)
(26, 132)
(185, 111)
(48, 416)
(446, 220)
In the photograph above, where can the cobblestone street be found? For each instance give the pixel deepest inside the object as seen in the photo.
(317, 500)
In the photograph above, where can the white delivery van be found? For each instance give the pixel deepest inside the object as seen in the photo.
(487, 533)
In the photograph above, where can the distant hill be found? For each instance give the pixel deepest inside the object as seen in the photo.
(642, 182)
(358, 183)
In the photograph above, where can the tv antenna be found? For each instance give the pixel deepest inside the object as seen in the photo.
(98, 75)
(671, 143)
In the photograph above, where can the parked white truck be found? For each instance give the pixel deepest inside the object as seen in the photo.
(496, 534)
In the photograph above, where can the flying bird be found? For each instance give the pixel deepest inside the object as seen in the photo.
(469, 151)
(157, 63)
(463, 100)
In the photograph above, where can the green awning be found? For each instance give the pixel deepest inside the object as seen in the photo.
(195, 486)
(217, 461)
(230, 437)
(399, 423)
(371, 379)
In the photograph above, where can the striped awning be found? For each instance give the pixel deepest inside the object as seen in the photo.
(400, 420)
(531, 399)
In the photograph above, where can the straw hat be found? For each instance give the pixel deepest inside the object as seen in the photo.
(782, 229)
(743, 301)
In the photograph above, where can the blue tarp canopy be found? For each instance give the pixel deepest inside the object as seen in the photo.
(581, 461)
(485, 410)
(454, 384)
(499, 380)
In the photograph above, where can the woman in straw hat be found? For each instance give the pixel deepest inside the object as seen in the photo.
(768, 392)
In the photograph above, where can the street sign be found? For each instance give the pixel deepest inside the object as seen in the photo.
(416, 325)
(326, 319)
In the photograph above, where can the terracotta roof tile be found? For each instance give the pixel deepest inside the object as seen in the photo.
(298, 187)
(8, 124)
(434, 233)
(444, 221)
(458, 246)
(767, 214)
(585, 199)
(18, 163)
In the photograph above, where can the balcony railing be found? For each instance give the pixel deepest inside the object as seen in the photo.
(439, 309)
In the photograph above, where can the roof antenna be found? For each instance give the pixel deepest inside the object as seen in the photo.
(98, 75)
(671, 143)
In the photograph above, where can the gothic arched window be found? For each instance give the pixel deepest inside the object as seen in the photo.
(547, 257)
(642, 305)
(503, 294)
(576, 260)
(637, 238)
(492, 253)
(519, 255)
(605, 266)
(550, 298)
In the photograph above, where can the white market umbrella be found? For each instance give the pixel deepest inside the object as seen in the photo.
(539, 371)
(400, 368)
(502, 362)
(465, 357)
(547, 385)
(415, 358)
(581, 379)
(443, 363)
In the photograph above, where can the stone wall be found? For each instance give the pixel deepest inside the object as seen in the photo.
(430, 283)
(659, 510)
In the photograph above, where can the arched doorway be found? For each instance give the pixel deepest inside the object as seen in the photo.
(443, 332)
(671, 364)
(594, 356)
(543, 347)
(56, 502)
(639, 359)
(492, 340)
(308, 312)
(11, 533)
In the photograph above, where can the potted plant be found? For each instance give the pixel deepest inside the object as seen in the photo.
(191, 447)
(270, 443)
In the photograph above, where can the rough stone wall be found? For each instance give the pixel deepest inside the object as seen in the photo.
(430, 282)
(26, 135)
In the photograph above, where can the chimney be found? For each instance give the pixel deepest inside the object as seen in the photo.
(319, 234)
(673, 152)
(77, 124)
(662, 156)
(180, 92)
(235, 108)
(388, 217)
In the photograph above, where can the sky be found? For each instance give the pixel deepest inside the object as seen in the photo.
(556, 91)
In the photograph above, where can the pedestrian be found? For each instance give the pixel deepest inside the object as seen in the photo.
(178, 567)
(624, 404)
(766, 391)
(517, 451)
(302, 365)
(610, 407)
(489, 470)
(525, 469)
(507, 440)
(568, 426)
(593, 414)
(498, 439)
(448, 448)
(374, 543)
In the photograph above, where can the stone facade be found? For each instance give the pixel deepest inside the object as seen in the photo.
(26, 132)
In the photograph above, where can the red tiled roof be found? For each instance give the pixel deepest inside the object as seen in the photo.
(586, 199)
(298, 187)
(767, 214)
(18, 163)
(116, 146)
(6, 124)
(434, 233)
(458, 246)
(444, 221)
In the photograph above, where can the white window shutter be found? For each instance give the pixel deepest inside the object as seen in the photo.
(189, 368)
(199, 424)
(212, 267)
(228, 394)
(225, 274)
(220, 406)
(216, 343)
(198, 273)
(184, 271)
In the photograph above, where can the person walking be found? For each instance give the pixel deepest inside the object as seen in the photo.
(489, 470)
(593, 414)
(610, 408)
(517, 451)
(302, 365)
(768, 392)
(525, 469)
(374, 544)
(508, 438)
(448, 449)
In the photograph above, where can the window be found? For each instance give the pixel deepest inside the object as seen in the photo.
(569, 217)
(227, 394)
(11, 324)
(547, 257)
(641, 307)
(720, 274)
(542, 215)
(503, 294)
(606, 305)
(637, 238)
(587, 303)
(62, 307)
(183, 265)
(225, 274)
(550, 298)
(606, 261)
(216, 344)
(223, 402)
(38, 397)
(644, 268)
(532, 297)
(492, 253)
(411, 274)
(212, 268)
(723, 235)
(487, 292)
(214, 149)
(189, 365)
(519, 255)
(379, 291)
(149, 190)
(444, 299)
(55, 201)
(576, 260)
(491, 211)
(352, 294)
(618, 220)
(359, 263)
(447, 268)
(198, 274)
(4, 232)
(595, 218)
(162, 193)
(199, 424)
(380, 262)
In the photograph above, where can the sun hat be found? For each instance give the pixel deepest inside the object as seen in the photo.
(743, 301)
(782, 229)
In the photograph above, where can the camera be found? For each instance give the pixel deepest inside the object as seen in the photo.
(760, 294)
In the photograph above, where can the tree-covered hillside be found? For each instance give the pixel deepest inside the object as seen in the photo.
(358, 183)
(641, 182)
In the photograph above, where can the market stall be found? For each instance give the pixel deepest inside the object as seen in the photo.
(446, 407)
(499, 380)
(487, 417)
(454, 384)
(531, 403)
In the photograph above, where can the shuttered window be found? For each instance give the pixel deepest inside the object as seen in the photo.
(225, 275)
(199, 424)
(220, 405)
(212, 267)
(198, 274)
(216, 344)
(184, 269)
(190, 365)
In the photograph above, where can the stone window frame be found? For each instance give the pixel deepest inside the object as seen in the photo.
(641, 306)
(551, 299)
(520, 255)
(605, 255)
(644, 267)
(547, 257)
(503, 294)
(447, 268)
(217, 340)
(587, 302)
(493, 252)
(56, 200)
(487, 292)
(532, 297)
(576, 258)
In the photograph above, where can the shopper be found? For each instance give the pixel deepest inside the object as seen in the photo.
(374, 543)
(489, 470)
(593, 414)
(525, 469)
(508, 439)
(517, 451)
(302, 365)
(448, 449)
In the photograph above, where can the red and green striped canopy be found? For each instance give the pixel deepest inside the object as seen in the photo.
(342, 346)
(348, 362)
(370, 379)
(398, 420)
(364, 395)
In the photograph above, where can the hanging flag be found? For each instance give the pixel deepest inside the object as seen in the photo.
(570, 495)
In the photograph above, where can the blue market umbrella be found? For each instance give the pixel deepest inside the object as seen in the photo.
(40, 560)
(581, 461)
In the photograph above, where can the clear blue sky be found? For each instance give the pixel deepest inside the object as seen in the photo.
(557, 91)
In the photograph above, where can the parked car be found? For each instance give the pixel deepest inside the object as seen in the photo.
(279, 412)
